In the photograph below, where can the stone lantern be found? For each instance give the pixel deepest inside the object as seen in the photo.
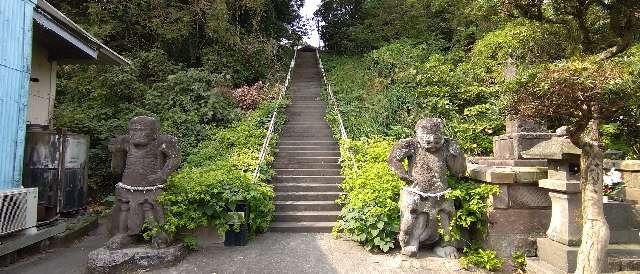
(563, 182)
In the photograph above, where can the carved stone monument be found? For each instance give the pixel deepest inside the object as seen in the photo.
(422, 201)
(145, 159)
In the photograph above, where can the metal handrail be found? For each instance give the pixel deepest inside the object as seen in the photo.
(267, 139)
(343, 131)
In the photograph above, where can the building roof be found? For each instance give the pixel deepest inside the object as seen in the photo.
(68, 42)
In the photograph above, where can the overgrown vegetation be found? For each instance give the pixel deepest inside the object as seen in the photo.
(219, 175)
(482, 258)
(391, 63)
(187, 58)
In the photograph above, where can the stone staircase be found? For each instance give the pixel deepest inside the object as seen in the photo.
(307, 171)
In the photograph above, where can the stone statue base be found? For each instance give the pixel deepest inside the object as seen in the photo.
(104, 260)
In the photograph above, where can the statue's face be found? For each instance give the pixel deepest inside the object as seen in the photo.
(429, 134)
(142, 131)
(431, 141)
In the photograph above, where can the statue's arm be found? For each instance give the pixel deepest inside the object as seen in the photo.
(172, 153)
(455, 159)
(400, 151)
(118, 154)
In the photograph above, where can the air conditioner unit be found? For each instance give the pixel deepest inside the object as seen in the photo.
(18, 209)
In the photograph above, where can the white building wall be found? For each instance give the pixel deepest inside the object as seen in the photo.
(42, 87)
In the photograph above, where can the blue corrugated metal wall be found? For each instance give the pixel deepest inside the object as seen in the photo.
(15, 65)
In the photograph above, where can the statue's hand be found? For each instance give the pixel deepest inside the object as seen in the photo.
(406, 178)
(156, 179)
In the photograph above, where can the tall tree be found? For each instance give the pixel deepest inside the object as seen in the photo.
(586, 93)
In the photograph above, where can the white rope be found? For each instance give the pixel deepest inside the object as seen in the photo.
(426, 195)
(139, 188)
(343, 131)
(267, 139)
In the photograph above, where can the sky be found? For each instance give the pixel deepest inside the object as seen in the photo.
(310, 6)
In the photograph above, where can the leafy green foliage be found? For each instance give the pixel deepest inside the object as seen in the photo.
(519, 262)
(482, 258)
(370, 215)
(471, 203)
(218, 176)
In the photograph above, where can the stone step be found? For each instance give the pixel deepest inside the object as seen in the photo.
(306, 126)
(306, 132)
(304, 187)
(307, 172)
(307, 216)
(307, 196)
(307, 160)
(309, 148)
(299, 142)
(291, 154)
(302, 227)
(281, 165)
(308, 179)
(306, 206)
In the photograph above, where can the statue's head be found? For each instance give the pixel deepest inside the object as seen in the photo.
(429, 133)
(143, 130)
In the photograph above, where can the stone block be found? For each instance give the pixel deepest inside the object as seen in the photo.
(560, 186)
(631, 194)
(623, 221)
(528, 196)
(134, 259)
(530, 174)
(518, 221)
(500, 200)
(566, 218)
(512, 163)
(627, 165)
(502, 176)
(560, 256)
(511, 146)
(506, 244)
(631, 178)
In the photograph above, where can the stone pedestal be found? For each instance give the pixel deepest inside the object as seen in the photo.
(566, 214)
(510, 146)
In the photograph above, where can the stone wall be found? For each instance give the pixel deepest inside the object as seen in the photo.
(520, 213)
(630, 170)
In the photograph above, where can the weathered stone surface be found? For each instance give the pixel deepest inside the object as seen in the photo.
(502, 176)
(566, 219)
(145, 159)
(103, 260)
(500, 200)
(529, 175)
(632, 194)
(515, 229)
(553, 148)
(528, 196)
(631, 178)
(422, 202)
(519, 221)
(560, 256)
(511, 146)
(623, 221)
(512, 163)
(518, 125)
(560, 186)
(628, 165)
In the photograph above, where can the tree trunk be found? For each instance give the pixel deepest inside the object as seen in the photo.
(592, 257)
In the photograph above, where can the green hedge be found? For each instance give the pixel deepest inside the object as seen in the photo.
(218, 175)
(371, 213)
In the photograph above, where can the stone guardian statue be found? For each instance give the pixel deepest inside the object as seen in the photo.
(145, 159)
(430, 156)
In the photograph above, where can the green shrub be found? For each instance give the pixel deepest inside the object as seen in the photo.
(519, 262)
(218, 175)
(471, 203)
(482, 258)
(370, 215)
